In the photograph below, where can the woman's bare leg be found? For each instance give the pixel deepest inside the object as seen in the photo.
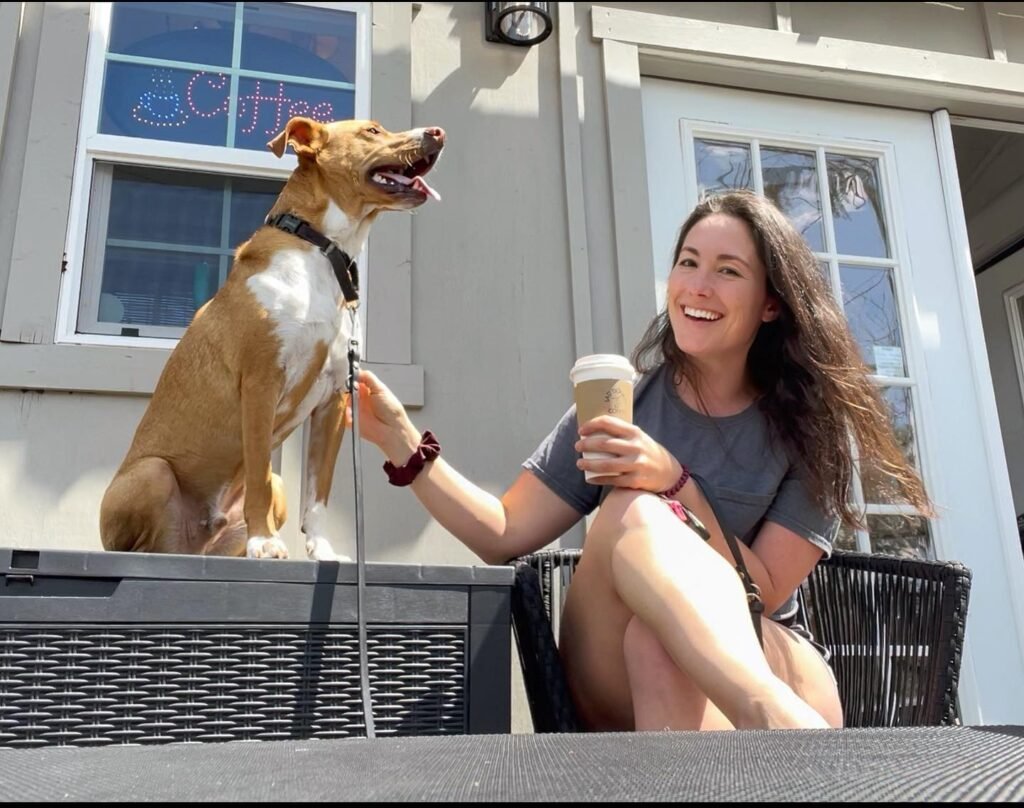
(694, 603)
(664, 697)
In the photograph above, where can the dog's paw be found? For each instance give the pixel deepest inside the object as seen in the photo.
(259, 547)
(319, 549)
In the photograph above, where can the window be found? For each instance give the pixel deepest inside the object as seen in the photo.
(173, 171)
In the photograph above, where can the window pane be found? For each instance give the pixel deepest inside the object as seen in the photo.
(791, 182)
(201, 33)
(722, 166)
(251, 201)
(280, 48)
(164, 104)
(858, 213)
(151, 287)
(294, 40)
(869, 299)
(169, 241)
(877, 487)
(846, 539)
(903, 536)
(168, 207)
(264, 107)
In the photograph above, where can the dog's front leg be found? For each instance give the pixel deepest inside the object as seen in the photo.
(262, 511)
(326, 430)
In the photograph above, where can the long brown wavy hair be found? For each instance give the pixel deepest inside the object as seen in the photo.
(813, 385)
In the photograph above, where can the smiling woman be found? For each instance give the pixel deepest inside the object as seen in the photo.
(718, 296)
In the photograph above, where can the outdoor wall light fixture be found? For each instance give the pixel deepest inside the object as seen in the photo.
(517, 23)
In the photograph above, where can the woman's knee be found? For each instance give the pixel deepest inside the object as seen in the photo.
(626, 509)
(621, 505)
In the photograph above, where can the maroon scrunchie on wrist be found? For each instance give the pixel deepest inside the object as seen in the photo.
(675, 489)
(428, 450)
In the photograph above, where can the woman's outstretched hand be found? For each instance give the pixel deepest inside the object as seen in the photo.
(382, 419)
(638, 460)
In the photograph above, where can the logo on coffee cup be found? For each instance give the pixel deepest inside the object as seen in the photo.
(614, 399)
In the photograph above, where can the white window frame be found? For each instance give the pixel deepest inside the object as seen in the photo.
(94, 147)
(898, 263)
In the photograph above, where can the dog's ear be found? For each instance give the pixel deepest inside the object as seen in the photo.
(304, 135)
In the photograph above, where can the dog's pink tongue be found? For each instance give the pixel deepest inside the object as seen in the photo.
(421, 184)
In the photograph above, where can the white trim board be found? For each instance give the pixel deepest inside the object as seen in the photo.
(134, 371)
(753, 58)
(999, 489)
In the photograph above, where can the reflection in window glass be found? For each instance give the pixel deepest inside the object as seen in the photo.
(188, 98)
(846, 539)
(315, 43)
(152, 287)
(169, 207)
(170, 239)
(201, 33)
(251, 201)
(857, 207)
(869, 300)
(722, 166)
(902, 536)
(791, 182)
(878, 488)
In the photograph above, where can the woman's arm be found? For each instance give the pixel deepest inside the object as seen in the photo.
(527, 517)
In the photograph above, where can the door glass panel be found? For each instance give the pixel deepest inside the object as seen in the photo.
(877, 488)
(722, 166)
(857, 207)
(846, 539)
(791, 182)
(903, 536)
(869, 299)
(790, 179)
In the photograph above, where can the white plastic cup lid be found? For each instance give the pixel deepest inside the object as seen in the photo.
(601, 366)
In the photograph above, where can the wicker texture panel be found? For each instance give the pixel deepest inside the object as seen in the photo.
(144, 684)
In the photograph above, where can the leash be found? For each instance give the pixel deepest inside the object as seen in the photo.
(357, 476)
(347, 273)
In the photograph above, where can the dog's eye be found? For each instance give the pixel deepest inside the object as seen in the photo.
(372, 130)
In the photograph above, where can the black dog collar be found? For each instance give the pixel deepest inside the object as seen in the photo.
(345, 269)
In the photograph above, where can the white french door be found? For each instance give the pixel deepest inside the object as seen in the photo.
(864, 186)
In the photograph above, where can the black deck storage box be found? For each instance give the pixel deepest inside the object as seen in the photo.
(104, 648)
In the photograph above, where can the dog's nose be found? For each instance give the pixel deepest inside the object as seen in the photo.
(435, 133)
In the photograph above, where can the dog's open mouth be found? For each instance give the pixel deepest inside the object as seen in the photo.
(408, 179)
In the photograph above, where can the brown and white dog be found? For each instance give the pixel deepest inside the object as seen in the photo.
(267, 352)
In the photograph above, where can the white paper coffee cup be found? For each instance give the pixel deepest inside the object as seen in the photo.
(602, 385)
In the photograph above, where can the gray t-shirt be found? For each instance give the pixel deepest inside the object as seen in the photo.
(745, 474)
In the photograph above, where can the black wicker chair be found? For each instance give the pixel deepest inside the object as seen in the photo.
(895, 628)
